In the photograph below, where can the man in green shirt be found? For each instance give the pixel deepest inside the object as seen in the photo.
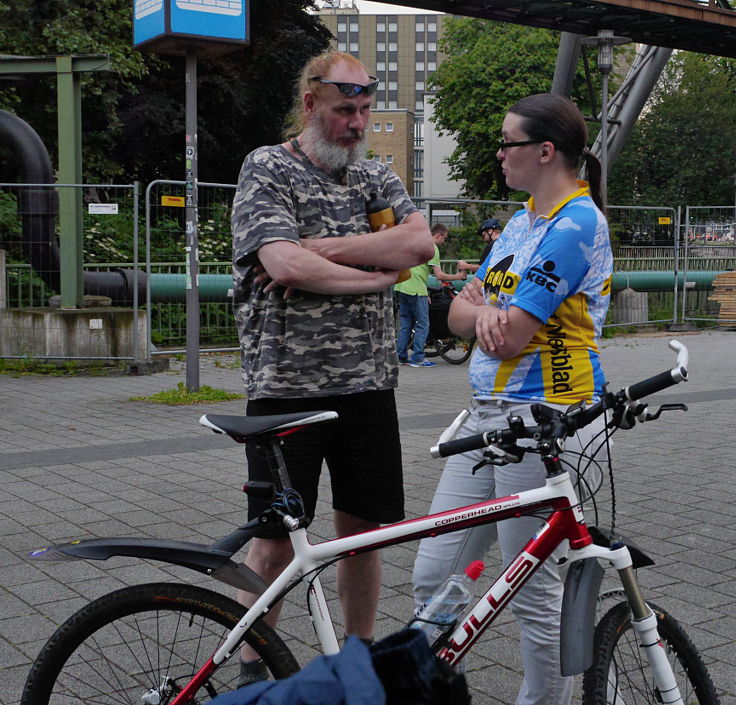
(414, 303)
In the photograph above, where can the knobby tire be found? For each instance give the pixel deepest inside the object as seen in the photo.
(620, 672)
(146, 640)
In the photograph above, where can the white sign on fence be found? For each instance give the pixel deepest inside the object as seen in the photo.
(103, 208)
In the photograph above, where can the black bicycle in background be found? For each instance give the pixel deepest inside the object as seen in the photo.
(441, 341)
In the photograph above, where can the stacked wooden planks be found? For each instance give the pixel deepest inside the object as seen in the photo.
(724, 291)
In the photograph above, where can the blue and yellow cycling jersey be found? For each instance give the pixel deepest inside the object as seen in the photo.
(557, 268)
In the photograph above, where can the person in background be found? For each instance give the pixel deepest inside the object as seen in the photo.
(414, 303)
(314, 308)
(489, 231)
(536, 305)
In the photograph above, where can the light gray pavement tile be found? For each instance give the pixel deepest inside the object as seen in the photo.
(77, 458)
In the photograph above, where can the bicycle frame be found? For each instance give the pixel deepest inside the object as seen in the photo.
(564, 522)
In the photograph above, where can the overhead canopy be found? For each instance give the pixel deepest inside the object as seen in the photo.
(705, 27)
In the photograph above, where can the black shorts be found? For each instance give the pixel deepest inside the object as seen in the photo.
(361, 448)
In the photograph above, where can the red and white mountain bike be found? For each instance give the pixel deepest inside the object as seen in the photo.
(176, 644)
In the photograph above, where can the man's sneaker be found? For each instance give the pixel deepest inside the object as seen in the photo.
(423, 363)
(403, 361)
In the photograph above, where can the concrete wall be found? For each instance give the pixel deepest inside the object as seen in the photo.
(100, 333)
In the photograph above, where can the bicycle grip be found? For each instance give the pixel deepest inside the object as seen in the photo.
(461, 445)
(652, 385)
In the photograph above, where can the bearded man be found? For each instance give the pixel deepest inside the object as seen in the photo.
(313, 303)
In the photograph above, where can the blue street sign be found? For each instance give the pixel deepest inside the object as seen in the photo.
(174, 26)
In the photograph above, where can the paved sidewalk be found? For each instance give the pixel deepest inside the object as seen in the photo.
(78, 459)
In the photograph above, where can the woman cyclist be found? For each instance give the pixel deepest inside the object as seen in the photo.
(536, 306)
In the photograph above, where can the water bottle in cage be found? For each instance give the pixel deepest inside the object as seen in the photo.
(448, 603)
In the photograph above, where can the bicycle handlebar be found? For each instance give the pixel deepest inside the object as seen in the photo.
(568, 422)
(663, 380)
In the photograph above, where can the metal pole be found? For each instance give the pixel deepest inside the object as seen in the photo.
(604, 137)
(192, 240)
(136, 302)
(605, 66)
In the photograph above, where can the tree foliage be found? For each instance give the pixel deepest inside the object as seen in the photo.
(490, 66)
(683, 147)
(133, 116)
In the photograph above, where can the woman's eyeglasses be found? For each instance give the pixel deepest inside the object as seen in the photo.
(351, 90)
(505, 145)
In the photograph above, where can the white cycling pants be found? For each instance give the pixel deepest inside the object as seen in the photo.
(537, 606)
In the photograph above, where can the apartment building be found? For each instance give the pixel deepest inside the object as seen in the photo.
(403, 50)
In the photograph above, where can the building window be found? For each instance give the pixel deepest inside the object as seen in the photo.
(380, 66)
(419, 132)
(418, 189)
(420, 46)
(389, 159)
(354, 27)
(376, 127)
(393, 27)
(420, 26)
(381, 86)
(419, 85)
(342, 46)
(353, 46)
(431, 26)
(419, 105)
(389, 127)
(432, 66)
(418, 163)
(393, 46)
(377, 158)
(341, 27)
(380, 46)
(419, 66)
(380, 105)
(432, 46)
(393, 104)
(393, 66)
(393, 86)
(380, 27)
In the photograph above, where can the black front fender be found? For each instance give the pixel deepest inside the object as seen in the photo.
(582, 584)
(196, 556)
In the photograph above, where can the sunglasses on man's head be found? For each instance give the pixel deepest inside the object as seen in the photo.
(351, 90)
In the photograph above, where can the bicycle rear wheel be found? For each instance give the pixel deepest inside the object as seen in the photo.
(455, 350)
(143, 644)
(621, 674)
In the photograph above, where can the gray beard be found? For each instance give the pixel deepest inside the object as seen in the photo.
(332, 157)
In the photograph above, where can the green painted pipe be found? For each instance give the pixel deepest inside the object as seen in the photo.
(170, 288)
(640, 281)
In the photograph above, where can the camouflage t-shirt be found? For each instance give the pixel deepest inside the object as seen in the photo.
(309, 344)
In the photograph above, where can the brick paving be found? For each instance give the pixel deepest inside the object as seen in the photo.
(79, 459)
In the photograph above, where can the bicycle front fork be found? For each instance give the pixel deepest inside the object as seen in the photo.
(644, 624)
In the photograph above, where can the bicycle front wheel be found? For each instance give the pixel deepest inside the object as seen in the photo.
(455, 350)
(143, 644)
(620, 672)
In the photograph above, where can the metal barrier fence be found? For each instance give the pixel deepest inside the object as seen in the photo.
(709, 245)
(33, 325)
(165, 242)
(644, 240)
(655, 265)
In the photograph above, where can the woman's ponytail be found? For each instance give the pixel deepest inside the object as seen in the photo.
(593, 173)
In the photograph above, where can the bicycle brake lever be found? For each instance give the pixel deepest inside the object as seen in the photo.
(665, 407)
(495, 455)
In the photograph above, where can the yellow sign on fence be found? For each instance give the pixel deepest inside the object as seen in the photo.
(665, 220)
(172, 201)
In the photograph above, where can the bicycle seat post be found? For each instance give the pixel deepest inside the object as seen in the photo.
(276, 463)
